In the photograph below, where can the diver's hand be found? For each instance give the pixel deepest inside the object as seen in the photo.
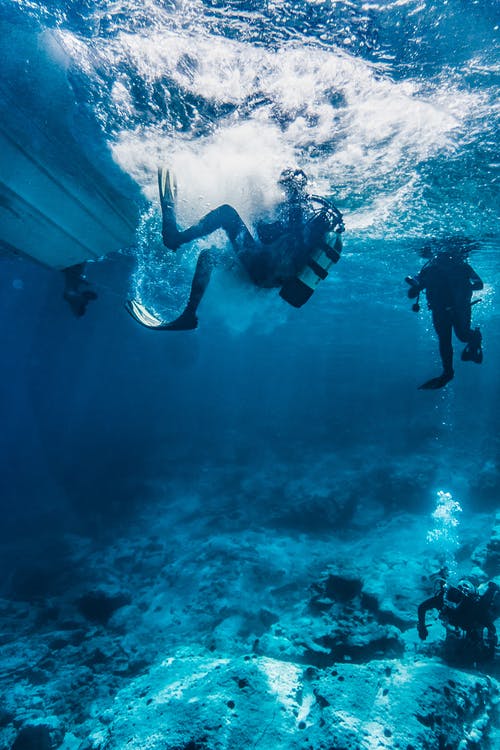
(414, 289)
(422, 631)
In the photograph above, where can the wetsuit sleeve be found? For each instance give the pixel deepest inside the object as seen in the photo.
(475, 280)
(435, 602)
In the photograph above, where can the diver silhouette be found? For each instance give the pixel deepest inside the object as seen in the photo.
(448, 281)
(77, 291)
(468, 617)
(292, 253)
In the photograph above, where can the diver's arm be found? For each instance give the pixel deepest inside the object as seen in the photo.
(435, 602)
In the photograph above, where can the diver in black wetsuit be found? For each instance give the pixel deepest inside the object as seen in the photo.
(466, 615)
(77, 291)
(448, 281)
(282, 251)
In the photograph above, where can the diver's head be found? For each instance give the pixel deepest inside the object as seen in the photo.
(293, 180)
(449, 249)
(455, 596)
(466, 588)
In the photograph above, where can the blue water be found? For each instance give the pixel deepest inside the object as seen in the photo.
(280, 432)
(392, 109)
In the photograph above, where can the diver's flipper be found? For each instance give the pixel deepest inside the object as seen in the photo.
(167, 186)
(435, 383)
(142, 315)
(185, 322)
(472, 353)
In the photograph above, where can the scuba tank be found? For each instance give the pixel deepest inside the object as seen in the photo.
(320, 230)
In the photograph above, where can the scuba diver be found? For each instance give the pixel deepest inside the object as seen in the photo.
(292, 253)
(77, 292)
(448, 281)
(466, 614)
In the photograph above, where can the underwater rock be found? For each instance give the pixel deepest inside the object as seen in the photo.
(99, 606)
(197, 699)
(393, 704)
(5, 717)
(98, 740)
(492, 561)
(486, 555)
(335, 588)
(39, 737)
(243, 640)
(33, 738)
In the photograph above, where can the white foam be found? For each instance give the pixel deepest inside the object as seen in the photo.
(368, 126)
(360, 135)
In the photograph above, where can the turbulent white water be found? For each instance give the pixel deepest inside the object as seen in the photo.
(360, 135)
(391, 108)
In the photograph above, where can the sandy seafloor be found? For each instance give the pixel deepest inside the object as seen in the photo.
(213, 625)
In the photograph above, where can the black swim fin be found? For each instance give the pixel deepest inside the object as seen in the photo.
(434, 383)
(473, 353)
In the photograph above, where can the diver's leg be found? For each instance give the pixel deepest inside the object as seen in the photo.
(207, 260)
(462, 323)
(442, 326)
(169, 231)
(245, 247)
(224, 217)
(472, 337)
(187, 320)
